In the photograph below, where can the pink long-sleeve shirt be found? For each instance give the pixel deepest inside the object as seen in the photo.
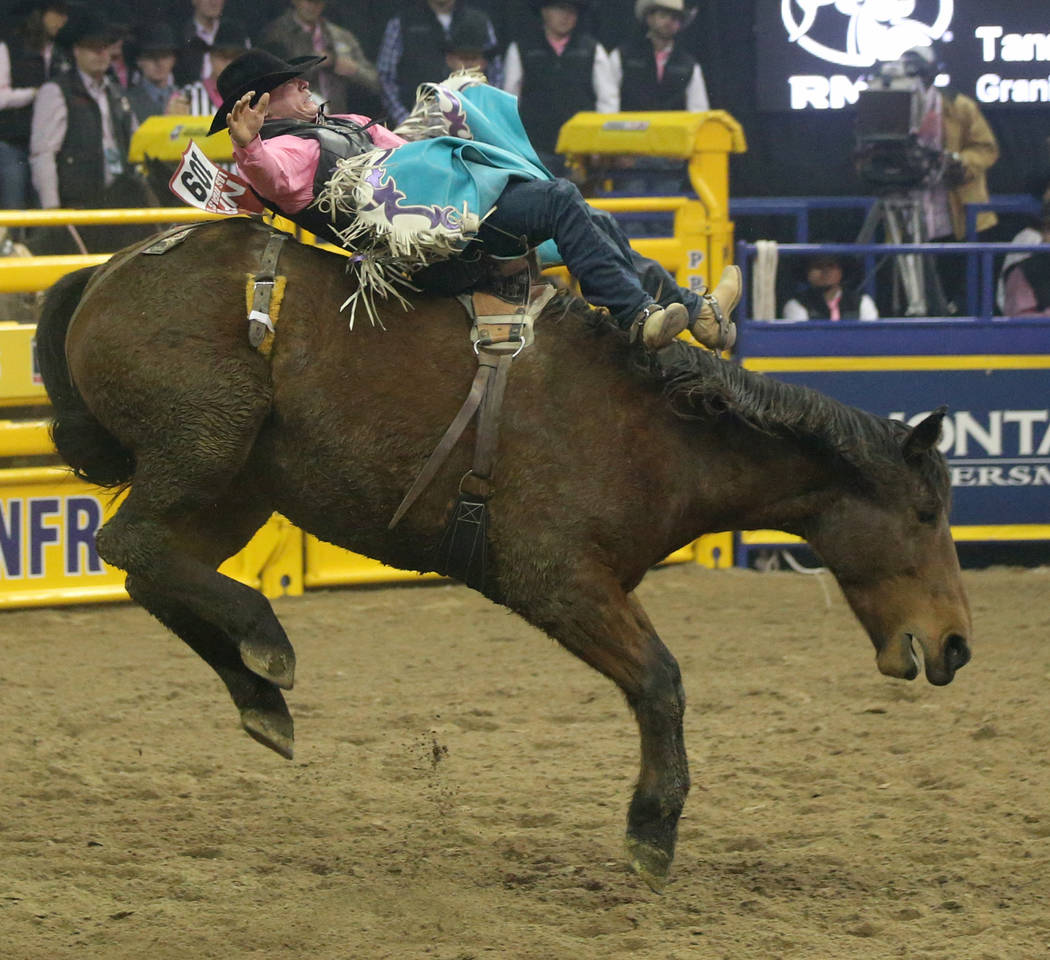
(282, 169)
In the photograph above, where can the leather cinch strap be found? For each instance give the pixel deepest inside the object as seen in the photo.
(259, 321)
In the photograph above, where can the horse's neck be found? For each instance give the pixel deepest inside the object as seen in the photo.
(749, 481)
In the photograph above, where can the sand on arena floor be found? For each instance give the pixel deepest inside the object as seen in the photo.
(460, 786)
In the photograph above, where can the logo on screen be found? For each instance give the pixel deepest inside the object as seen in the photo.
(861, 33)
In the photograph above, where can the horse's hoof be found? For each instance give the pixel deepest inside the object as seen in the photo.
(271, 730)
(649, 862)
(274, 664)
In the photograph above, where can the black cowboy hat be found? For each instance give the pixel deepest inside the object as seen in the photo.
(85, 26)
(470, 32)
(156, 38)
(256, 70)
(580, 5)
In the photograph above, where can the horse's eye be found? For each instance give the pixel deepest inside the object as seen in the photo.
(928, 517)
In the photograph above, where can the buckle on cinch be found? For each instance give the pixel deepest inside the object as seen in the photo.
(478, 344)
(259, 321)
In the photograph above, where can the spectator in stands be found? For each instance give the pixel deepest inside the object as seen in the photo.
(953, 124)
(557, 71)
(155, 93)
(469, 45)
(347, 77)
(653, 72)
(198, 36)
(26, 58)
(80, 132)
(202, 98)
(826, 295)
(1026, 276)
(413, 52)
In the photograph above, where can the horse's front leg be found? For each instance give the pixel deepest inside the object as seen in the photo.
(609, 630)
(652, 819)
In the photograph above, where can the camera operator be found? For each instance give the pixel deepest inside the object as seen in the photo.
(953, 125)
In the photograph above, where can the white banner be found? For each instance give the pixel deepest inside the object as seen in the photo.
(200, 183)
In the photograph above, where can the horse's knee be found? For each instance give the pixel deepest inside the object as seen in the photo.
(128, 545)
(661, 686)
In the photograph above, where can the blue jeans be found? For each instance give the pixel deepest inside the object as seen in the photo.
(594, 248)
(14, 176)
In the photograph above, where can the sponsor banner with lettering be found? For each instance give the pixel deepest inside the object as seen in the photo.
(200, 183)
(815, 54)
(996, 435)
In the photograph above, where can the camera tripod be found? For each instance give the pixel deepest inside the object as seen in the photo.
(901, 217)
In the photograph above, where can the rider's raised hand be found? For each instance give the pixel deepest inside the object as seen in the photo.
(244, 120)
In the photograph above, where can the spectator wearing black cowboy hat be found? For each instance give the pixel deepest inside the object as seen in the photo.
(26, 58)
(556, 71)
(469, 44)
(154, 92)
(413, 52)
(197, 36)
(826, 294)
(200, 99)
(81, 124)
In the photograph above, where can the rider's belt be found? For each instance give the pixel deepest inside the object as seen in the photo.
(264, 294)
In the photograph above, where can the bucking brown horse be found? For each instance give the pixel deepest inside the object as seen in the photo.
(609, 460)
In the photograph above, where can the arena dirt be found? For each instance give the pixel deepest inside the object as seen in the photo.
(460, 787)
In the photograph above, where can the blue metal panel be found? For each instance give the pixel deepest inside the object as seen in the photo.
(846, 338)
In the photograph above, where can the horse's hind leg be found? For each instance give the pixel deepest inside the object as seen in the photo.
(264, 713)
(609, 630)
(204, 538)
(176, 512)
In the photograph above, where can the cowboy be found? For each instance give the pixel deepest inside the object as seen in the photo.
(556, 71)
(288, 150)
(654, 72)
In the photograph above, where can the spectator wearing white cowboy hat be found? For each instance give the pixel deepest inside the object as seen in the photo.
(652, 71)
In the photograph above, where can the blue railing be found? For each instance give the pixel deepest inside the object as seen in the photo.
(797, 207)
(978, 294)
(983, 254)
(800, 208)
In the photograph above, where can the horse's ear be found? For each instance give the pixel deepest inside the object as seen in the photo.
(924, 436)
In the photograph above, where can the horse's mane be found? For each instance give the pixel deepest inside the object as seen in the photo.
(698, 385)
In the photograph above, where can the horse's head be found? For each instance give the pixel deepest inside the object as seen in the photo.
(891, 551)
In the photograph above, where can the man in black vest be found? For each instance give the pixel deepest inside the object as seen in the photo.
(654, 72)
(413, 52)
(26, 60)
(81, 124)
(81, 129)
(557, 71)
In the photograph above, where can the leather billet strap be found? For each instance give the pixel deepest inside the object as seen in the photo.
(447, 442)
(260, 323)
(486, 392)
(478, 481)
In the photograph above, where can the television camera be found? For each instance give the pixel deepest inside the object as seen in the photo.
(889, 154)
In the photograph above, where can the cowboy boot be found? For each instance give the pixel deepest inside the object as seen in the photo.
(659, 325)
(713, 326)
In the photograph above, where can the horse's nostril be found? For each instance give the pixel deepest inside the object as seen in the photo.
(956, 651)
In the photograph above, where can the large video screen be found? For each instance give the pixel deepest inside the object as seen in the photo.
(815, 54)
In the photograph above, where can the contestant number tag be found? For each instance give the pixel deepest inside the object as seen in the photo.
(198, 182)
